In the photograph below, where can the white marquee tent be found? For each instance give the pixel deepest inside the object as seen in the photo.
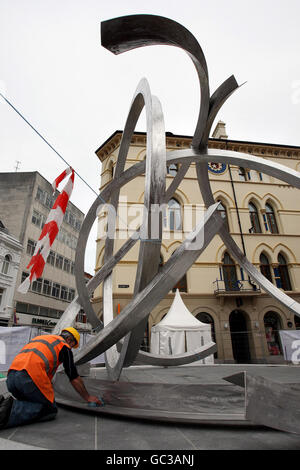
(179, 332)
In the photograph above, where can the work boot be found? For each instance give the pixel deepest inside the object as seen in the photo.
(5, 409)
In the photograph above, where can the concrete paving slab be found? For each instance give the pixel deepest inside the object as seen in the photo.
(78, 430)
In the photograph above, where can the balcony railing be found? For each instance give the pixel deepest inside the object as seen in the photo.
(235, 287)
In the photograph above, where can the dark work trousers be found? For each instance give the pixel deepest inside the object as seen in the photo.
(30, 405)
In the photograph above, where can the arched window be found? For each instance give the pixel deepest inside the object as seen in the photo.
(174, 215)
(271, 219)
(297, 322)
(254, 218)
(172, 169)
(111, 170)
(272, 326)
(208, 319)
(265, 268)
(223, 212)
(5, 265)
(229, 273)
(283, 273)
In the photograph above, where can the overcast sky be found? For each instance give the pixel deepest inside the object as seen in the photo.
(76, 93)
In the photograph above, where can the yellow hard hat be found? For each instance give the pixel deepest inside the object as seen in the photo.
(74, 333)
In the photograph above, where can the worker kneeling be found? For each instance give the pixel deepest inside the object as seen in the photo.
(29, 379)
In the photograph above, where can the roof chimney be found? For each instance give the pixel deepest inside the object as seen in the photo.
(220, 131)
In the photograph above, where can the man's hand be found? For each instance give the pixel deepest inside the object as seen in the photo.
(93, 399)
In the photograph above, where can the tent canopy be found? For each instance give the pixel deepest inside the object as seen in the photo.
(179, 332)
(180, 318)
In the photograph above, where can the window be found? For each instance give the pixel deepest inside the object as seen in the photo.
(37, 285)
(1, 295)
(33, 309)
(48, 200)
(283, 273)
(44, 198)
(5, 265)
(67, 265)
(62, 236)
(254, 218)
(55, 290)
(174, 215)
(172, 169)
(51, 258)
(77, 225)
(223, 212)
(38, 219)
(64, 293)
(73, 243)
(265, 268)
(24, 275)
(40, 195)
(59, 261)
(21, 307)
(30, 247)
(272, 326)
(271, 219)
(242, 174)
(207, 318)
(229, 273)
(111, 170)
(81, 317)
(71, 294)
(47, 287)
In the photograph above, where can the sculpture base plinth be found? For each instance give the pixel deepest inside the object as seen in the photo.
(169, 402)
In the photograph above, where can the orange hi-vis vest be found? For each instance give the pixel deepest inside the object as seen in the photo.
(40, 359)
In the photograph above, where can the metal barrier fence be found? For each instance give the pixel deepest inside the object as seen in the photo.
(251, 347)
(248, 347)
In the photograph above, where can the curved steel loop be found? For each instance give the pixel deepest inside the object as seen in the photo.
(155, 291)
(240, 159)
(177, 359)
(215, 103)
(125, 33)
(154, 196)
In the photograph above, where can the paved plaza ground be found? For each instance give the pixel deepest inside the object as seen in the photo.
(77, 430)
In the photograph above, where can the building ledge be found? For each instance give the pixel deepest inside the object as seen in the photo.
(236, 288)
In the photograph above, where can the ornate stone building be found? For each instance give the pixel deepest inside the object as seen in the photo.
(10, 258)
(263, 217)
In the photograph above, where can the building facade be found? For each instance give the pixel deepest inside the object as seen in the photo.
(10, 258)
(25, 202)
(263, 216)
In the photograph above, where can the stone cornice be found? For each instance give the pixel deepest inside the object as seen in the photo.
(177, 141)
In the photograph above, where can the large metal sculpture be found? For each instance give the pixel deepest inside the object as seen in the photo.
(120, 338)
